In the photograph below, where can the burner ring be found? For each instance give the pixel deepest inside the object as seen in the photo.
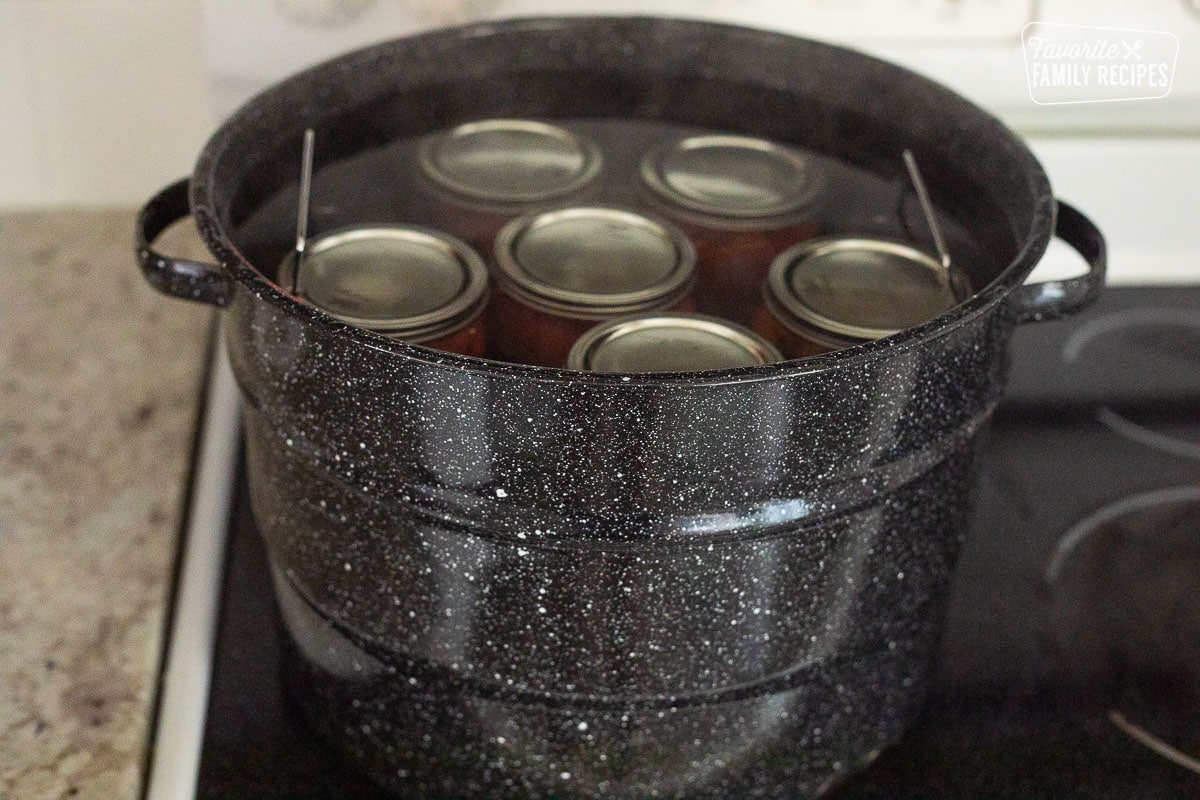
(1124, 426)
(1111, 419)
(1153, 743)
(1119, 594)
(1077, 533)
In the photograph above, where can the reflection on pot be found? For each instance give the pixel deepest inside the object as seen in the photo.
(687, 670)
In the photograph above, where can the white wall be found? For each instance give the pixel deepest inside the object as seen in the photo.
(101, 101)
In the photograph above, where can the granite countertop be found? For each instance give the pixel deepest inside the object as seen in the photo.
(99, 388)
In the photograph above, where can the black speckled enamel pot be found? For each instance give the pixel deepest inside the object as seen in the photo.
(511, 581)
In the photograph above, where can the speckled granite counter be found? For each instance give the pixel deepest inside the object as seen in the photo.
(99, 383)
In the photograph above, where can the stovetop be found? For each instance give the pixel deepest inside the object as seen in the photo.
(1070, 666)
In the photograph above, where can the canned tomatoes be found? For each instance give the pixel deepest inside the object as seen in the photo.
(742, 201)
(827, 294)
(406, 282)
(658, 342)
(560, 272)
(483, 174)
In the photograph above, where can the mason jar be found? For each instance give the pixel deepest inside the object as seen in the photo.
(742, 201)
(482, 174)
(410, 283)
(561, 272)
(828, 294)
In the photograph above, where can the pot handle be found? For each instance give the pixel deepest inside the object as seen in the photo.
(1051, 300)
(178, 277)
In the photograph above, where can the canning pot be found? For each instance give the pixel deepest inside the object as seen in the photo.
(504, 580)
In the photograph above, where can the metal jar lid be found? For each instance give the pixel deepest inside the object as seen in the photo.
(594, 263)
(658, 342)
(861, 288)
(509, 161)
(404, 281)
(740, 179)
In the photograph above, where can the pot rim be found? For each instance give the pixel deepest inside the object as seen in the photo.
(202, 190)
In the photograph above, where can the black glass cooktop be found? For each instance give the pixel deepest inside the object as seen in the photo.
(1073, 642)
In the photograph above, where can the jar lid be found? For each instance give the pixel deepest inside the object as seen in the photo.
(594, 263)
(737, 177)
(658, 342)
(509, 160)
(861, 288)
(404, 281)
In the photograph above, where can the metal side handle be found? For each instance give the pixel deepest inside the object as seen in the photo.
(1037, 302)
(178, 277)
